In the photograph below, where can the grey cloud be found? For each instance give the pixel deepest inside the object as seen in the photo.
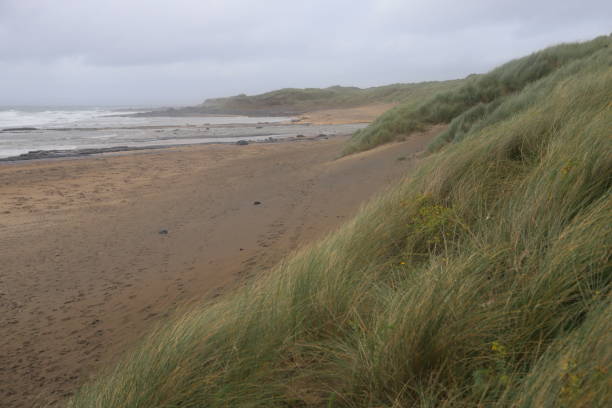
(182, 51)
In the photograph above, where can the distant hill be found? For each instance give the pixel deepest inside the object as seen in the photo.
(295, 101)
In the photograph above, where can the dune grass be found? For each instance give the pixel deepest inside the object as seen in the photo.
(480, 100)
(483, 279)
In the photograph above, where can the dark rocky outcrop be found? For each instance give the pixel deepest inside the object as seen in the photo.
(19, 129)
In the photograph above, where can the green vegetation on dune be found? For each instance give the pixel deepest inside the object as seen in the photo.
(483, 99)
(292, 101)
(483, 279)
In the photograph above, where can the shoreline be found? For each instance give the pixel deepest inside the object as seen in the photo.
(150, 127)
(75, 153)
(306, 126)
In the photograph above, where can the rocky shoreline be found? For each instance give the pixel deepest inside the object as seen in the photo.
(68, 153)
(56, 154)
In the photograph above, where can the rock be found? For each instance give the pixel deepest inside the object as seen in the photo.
(242, 142)
(163, 232)
(19, 129)
(51, 154)
(300, 136)
(256, 202)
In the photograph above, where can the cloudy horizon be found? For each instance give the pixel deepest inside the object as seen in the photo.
(158, 52)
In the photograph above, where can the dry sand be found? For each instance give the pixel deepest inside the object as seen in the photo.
(359, 114)
(84, 271)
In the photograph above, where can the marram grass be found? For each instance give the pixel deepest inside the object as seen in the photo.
(483, 279)
(481, 100)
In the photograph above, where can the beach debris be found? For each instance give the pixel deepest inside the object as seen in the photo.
(322, 136)
(242, 142)
(163, 232)
(256, 202)
(300, 136)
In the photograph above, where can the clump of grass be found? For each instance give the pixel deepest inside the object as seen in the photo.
(491, 96)
(481, 280)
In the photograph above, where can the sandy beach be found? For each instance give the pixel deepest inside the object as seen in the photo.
(96, 250)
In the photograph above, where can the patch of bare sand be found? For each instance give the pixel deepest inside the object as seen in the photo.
(84, 271)
(359, 114)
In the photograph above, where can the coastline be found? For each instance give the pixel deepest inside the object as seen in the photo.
(85, 141)
(74, 153)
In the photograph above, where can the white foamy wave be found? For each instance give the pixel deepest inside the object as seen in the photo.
(12, 118)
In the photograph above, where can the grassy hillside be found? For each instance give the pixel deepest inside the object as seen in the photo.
(481, 280)
(292, 101)
(479, 100)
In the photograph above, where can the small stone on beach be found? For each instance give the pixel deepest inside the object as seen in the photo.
(163, 232)
(256, 202)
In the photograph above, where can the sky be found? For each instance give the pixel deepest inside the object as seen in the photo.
(180, 52)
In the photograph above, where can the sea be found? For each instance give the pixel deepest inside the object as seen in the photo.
(27, 129)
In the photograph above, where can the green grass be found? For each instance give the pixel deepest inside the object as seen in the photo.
(480, 100)
(483, 279)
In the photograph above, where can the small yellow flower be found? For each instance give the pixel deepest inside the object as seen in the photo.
(402, 263)
(497, 347)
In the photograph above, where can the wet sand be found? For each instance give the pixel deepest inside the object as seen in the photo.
(85, 271)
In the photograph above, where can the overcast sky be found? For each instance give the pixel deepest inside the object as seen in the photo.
(177, 52)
